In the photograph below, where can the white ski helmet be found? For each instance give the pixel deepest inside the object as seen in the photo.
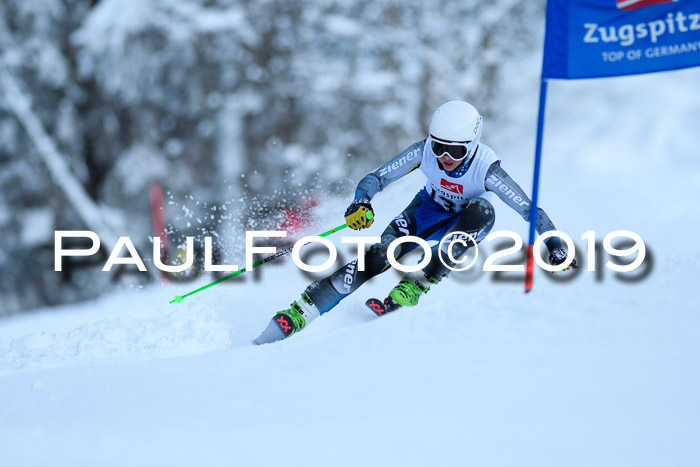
(455, 129)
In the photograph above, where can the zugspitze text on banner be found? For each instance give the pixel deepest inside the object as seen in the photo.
(598, 38)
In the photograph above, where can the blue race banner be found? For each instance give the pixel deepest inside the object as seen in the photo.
(598, 38)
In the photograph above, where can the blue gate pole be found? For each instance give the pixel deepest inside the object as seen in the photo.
(530, 268)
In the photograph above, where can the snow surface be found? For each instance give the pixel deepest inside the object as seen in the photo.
(578, 373)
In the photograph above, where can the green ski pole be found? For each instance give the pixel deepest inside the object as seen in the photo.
(180, 298)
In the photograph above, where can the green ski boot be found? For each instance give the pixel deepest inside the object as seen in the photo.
(287, 322)
(409, 290)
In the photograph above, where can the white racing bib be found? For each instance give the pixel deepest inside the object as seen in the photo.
(454, 193)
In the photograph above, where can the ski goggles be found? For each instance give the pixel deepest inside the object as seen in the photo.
(457, 150)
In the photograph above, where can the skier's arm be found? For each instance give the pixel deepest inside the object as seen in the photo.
(498, 181)
(376, 181)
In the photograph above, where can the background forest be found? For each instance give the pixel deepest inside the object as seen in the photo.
(240, 110)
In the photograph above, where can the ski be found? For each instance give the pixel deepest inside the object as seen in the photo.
(279, 328)
(381, 307)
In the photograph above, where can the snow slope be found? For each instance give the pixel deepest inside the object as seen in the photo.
(578, 373)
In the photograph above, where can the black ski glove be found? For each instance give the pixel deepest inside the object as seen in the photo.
(359, 215)
(558, 256)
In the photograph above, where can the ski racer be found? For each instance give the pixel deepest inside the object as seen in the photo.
(459, 171)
